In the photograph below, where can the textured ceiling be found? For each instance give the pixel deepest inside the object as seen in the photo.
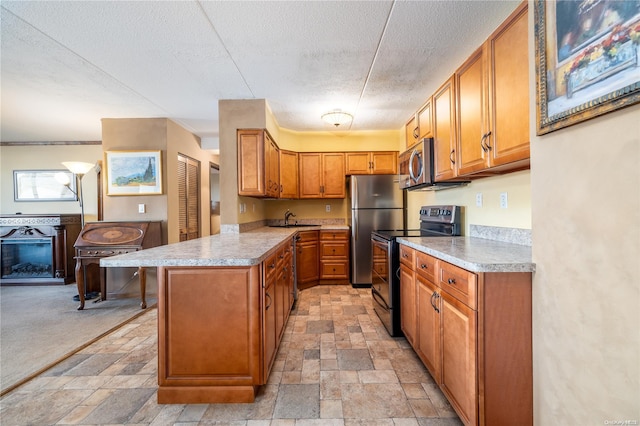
(67, 64)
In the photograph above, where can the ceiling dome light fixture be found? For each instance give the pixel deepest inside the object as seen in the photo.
(337, 117)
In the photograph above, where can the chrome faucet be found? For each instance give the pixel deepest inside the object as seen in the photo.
(287, 215)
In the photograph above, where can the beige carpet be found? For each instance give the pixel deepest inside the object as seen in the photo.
(40, 325)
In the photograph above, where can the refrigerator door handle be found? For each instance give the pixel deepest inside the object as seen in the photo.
(355, 227)
(354, 190)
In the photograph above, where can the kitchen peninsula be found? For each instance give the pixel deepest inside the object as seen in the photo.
(223, 302)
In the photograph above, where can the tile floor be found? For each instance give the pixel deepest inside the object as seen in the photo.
(336, 366)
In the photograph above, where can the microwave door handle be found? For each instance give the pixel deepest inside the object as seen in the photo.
(411, 174)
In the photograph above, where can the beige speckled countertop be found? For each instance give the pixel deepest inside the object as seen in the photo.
(229, 249)
(475, 254)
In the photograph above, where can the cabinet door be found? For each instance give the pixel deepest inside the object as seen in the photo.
(509, 71)
(272, 167)
(310, 175)
(425, 121)
(270, 324)
(472, 109)
(334, 182)
(288, 174)
(444, 131)
(358, 163)
(459, 371)
(384, 163)
(251, 159)
(428, 344)
(307, 264)
(411, 132)
(408, 303)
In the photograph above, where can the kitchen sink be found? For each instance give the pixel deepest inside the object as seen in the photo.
(292, 225)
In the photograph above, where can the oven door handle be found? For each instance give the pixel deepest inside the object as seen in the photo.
(378, 298)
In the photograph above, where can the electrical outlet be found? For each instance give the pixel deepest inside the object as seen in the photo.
(141, 208)
(504, 201)
(479, 199)
(327, 208)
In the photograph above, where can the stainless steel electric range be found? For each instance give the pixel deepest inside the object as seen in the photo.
(435, 221)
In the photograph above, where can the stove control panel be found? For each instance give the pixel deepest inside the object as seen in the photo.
(444, 213)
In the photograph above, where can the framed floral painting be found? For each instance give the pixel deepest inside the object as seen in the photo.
(133, 172)
(587, 59)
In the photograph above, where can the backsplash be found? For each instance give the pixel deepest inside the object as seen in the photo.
(507, 235)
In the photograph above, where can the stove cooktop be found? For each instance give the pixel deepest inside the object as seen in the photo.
(392, 233)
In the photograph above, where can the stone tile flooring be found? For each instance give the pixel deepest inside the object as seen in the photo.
(336, 366)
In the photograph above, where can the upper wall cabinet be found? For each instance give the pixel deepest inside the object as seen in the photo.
(420, 125)
(444, 131)
(492, 102)
(258, 164)
(371, 163)
(322, 175)
(288, 174)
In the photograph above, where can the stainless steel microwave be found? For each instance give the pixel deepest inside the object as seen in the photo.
(417, 168)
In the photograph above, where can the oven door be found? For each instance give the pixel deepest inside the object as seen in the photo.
(382, 283)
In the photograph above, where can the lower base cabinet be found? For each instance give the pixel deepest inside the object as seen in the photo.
(473, 333)
(219, 329)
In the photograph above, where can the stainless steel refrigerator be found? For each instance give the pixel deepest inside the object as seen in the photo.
(377, 202)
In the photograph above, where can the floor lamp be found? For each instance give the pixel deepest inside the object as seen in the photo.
(79, 169)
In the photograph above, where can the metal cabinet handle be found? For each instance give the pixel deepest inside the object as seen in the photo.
(270, 301)
(453, 161)
(415, 133)
(452, 281)
(485, 147)
(423, 266)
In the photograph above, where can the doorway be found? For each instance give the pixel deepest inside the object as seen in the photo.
(214, 188)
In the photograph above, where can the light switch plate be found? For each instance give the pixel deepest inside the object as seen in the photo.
(142, 208)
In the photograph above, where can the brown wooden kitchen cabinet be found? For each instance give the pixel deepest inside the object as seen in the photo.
(473, 333)
(492, 102)
(420, 126)
(372, 163)
(219, 329)
(444, 131)
(322, 175)
(288, 174)
(258, 164)
(408, 319)
(307, 259)
(334, 257)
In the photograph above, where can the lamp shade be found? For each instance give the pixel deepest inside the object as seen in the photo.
(337, 117)
(78, 167)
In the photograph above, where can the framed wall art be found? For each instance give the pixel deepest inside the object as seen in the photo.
(133, 172)
(44, 185)
(587, 60)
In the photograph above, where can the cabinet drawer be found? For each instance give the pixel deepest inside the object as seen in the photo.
(331, 249)
(270, 264)
(426, 266)
(407, 256)
(458, 282)
(334, 270)
(103, 252)
(334, 235)
(304, 236)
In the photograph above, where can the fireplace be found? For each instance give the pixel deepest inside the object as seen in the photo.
(37, 249)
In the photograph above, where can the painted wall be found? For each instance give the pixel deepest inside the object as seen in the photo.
(48, 157)
(517, 185)
(167, 136)
(585, 200)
